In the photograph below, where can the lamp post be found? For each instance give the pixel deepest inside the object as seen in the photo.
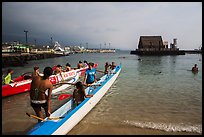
(35, 41)
(87, 45)
(51, 41)
(26, 36)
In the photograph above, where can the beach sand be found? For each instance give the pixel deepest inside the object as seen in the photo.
(96, 129)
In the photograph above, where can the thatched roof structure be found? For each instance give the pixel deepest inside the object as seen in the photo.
(150, 42)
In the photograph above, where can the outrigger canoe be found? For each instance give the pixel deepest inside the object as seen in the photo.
(21, 86)
(67, 116)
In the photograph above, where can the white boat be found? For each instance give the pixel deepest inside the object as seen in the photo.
(66, 117)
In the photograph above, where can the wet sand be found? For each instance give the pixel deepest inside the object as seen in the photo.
(108, 129)
(14, 118)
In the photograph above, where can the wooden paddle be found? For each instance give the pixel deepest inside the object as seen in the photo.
(36, 117)
(64, 83)
(75, 84)
(33, 116)
(100, 71)
(55, 118)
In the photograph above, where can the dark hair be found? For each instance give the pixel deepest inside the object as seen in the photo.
(85, 61)
(91, 64)
(80, 62)
(47, 72)
(9, 70)
(59, 66)
(68, 65)
(79, 85)
(36, 67)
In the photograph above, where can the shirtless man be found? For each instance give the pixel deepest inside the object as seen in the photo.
(113, 65)
(195, 68)
(107, 65)
(80, 65)
(58, 70)
(68, 67)
(38, 98)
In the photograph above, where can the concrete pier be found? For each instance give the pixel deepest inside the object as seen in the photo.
(20, 59)
(174, 52)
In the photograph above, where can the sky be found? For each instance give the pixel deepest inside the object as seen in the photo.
(117, 25)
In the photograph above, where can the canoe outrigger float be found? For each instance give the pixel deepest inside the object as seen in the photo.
(68, 115)
(64, 86)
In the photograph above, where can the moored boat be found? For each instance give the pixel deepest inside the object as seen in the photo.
(67, 116)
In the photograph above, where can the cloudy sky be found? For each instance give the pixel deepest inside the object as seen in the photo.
(118, 23)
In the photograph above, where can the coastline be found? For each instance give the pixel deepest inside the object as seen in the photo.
(110, 129)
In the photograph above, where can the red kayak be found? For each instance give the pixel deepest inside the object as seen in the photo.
(23, 82)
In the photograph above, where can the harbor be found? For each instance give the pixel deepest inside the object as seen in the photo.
(20, 54)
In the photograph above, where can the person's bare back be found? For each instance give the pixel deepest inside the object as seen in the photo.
(42, 86)
(38, 98)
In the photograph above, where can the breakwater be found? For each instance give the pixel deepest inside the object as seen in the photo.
(175, 52)
(165, 52)
(20, 59)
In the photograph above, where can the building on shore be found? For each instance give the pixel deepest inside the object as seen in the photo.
(16, 47)
(56, 48)
(154, 45)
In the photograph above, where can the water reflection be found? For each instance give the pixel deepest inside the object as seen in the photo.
(172, 63)
(150, 65)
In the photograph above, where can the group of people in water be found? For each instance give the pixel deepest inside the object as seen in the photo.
(42, 84)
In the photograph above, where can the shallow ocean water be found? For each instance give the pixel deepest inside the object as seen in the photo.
(157, 95)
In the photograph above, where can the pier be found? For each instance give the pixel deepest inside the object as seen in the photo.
(165, 52)
(193, 51)
(157, 52)
(15, 59)
(19, 59)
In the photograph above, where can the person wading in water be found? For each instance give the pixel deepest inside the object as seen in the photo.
(38, 98)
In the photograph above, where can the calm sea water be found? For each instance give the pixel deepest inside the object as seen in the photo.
(157, 95)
